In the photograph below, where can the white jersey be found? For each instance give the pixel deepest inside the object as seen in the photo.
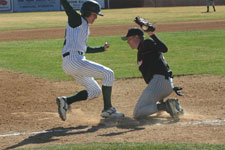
(74, 62)
(76, 65)
(76, 38)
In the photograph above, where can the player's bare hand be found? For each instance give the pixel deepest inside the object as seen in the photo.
(106, 46)
(150, 33)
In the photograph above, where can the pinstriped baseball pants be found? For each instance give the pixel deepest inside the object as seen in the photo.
(157, 89)
(84, 71)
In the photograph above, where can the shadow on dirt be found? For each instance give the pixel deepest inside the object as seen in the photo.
(126, 123)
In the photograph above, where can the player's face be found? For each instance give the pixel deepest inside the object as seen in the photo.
(133, 41)
(92, 18)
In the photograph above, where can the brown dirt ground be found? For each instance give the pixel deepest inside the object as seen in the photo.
(110, 30)
(28, 104)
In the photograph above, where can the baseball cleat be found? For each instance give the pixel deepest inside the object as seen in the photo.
(111, 112)
(171, 108)
(179, 108)
(62, 107)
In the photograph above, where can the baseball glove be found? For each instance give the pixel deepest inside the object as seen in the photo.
(177, 91)
(144, 24)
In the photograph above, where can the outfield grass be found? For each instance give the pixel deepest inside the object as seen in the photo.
(133, 146)
(195, 52)
(33, 20)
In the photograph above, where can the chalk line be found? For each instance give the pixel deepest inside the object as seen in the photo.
(202, 122)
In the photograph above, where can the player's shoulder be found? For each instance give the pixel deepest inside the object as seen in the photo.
(75, 20)
(148, 42)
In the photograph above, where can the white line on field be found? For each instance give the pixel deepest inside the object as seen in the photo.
(36, 132)
(202, 122)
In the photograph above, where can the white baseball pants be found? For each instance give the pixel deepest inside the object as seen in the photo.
(84, 71)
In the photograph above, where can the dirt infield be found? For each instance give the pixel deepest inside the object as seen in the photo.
(110, 30)
(29, 113)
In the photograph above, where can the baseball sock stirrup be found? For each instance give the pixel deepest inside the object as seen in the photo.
(80, 96)
(106, 92)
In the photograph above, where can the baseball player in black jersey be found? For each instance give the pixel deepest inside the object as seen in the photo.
(156, 73)
(76, 65)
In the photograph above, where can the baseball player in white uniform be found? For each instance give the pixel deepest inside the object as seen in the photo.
(76, 65)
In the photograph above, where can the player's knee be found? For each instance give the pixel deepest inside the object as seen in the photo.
(138, 114)
(109, 78)
(98, 92)
(135, 115)
(94, 92)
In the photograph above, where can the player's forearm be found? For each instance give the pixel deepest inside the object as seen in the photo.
(95, 49)
(160, 45)
(68, 9)
(74, 18)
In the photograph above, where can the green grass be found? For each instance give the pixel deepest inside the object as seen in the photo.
(133, 146)
(40, 58)
(33, 20)
(196, 52)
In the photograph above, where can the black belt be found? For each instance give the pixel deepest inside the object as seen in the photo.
(68, 53)
(80, 53)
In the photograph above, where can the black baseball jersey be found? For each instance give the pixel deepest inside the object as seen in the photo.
(151, 60)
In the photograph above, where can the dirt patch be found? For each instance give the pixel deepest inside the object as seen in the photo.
(110, 30)
(28, 105)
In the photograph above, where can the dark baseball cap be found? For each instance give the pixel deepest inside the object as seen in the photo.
(132, 32)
